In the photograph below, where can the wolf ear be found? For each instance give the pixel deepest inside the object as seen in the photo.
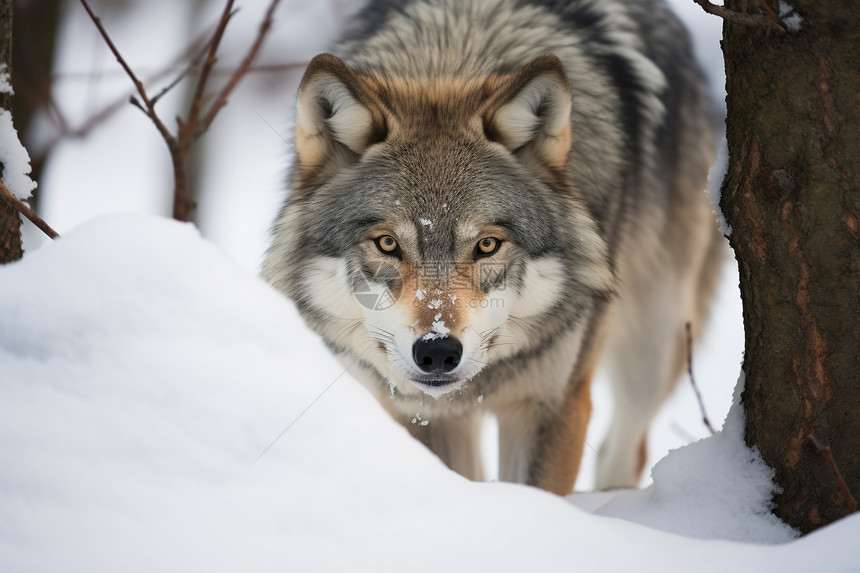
(529, 111)
(338, 116)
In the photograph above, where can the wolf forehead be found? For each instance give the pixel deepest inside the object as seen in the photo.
(435, 150)
(442, 194)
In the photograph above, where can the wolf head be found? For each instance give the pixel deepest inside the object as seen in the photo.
(432, 228)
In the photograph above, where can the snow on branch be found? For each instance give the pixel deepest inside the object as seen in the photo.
(13, 155)
(27, 212)
(16, 185)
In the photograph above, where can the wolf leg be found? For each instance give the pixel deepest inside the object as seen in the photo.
(456, 440)
(541, 443)
(647, 354)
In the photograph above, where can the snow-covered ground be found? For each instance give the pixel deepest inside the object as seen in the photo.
(163, 410)
(144, 374)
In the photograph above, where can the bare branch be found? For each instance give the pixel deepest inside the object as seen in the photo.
(193, 63)
(103, 114)
(765, 21)
(209, 63)
(192, 127)
(27, 212)
(147, 106)
(137, 83)
(705, 418)
(768, 9)
(221, 100)
(179, 67)
(825, 452)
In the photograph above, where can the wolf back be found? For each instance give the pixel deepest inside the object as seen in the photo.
(565, 142)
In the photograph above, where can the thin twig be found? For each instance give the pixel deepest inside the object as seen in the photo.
(186, 69)
(147, 106)
(55, 112)
(38, 95)
(738, 18)
(102, 115)
(221, 100)
(705, 418)
(217, 71)
(192, 127)
(129, 72)
(769, 10)
(825, 452)
(27, 212)
(209, 62)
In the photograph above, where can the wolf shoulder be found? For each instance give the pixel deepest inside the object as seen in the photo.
(509, 33)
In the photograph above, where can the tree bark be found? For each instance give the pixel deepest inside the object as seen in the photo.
(11, 248)
(791, 198)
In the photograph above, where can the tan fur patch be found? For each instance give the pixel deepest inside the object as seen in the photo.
(643, 455)
(556, 149)
(415, 89)
(444, 300)
(313, 149)
(567, 438)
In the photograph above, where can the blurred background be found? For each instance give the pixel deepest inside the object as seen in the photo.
(94, 154)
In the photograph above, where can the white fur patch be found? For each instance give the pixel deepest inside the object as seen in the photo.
(543, 285)
(326, 281)
(350, 122)
(518, 121)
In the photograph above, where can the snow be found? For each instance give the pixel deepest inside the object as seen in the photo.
(15, 159)
(789, 17)
(440, 329)
(713, 489)
(13, 155)
(144, 372)
(437, 329)
(5, 84)
(715, 182)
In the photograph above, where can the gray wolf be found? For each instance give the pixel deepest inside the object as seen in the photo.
(522, 181)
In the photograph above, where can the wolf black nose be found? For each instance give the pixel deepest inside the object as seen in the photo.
(437, 356)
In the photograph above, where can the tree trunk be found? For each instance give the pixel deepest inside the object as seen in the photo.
(11, 248)
(791, 198)
(33, 39)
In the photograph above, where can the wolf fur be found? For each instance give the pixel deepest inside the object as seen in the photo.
(575, 137)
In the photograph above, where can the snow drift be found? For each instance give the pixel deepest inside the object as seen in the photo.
(142, 375)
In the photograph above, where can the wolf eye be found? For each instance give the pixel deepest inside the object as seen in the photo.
(487, 246)
(388, 245)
